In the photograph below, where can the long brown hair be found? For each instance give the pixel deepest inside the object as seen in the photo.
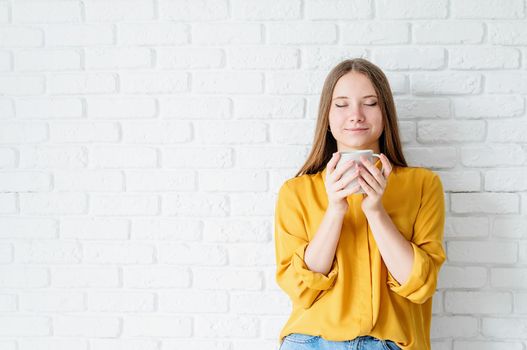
(324, 144)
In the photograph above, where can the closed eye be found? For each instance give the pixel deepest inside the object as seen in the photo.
(373, 104)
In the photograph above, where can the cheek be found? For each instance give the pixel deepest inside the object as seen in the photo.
(337, 117)
(376, 119)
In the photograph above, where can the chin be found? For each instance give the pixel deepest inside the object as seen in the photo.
(355, 145)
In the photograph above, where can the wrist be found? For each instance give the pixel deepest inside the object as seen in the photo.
(374, 212)
(336, 211)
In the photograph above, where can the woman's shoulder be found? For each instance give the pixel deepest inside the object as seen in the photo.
(294, 184)
(303, 185)
(302, 180)
(415, 171)
(416, 176)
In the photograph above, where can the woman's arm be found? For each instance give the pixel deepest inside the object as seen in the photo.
(321, 249)
(413, 275)
(396, 251)
(416, 269)
(303, 285)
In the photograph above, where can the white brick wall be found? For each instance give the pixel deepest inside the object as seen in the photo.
(142, 144)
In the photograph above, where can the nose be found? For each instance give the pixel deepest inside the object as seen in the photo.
(355, 113)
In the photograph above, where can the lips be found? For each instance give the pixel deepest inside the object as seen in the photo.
(357, 129)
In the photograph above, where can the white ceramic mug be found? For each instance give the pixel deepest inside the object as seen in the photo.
(346, 156)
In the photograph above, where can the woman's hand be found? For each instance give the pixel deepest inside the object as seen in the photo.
(335, 183)
(373, 182)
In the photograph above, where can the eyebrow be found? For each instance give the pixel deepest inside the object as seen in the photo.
(348, 97)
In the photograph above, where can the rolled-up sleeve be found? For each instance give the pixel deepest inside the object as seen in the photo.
(427, 245)
(302, 285)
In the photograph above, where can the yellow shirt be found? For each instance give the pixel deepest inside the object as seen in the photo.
(359, 296)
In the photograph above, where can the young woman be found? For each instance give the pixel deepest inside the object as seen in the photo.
(359, 268)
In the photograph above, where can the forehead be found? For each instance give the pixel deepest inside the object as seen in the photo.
(353, 84)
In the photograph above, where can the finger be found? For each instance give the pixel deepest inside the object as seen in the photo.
(369, 191)
(370, 180)
(333, 162)
(386, 165)
(367, 178)
(377, 184)
(376, 173)
(347, 192)
(344, 181)
(331, 166)
(337, 174)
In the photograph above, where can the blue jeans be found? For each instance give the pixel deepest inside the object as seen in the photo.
(299, 341)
